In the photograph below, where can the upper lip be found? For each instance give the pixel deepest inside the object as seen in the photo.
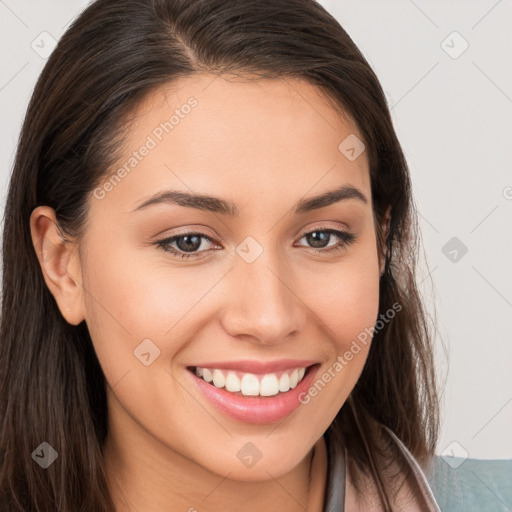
(248, 366)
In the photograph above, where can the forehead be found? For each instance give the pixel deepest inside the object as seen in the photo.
(205, 133)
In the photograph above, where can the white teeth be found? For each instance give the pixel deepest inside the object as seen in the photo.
(269, 385)
(232, 383)
(219, 380)
(284, 383)
(207, 375)
(250, 384)
(294, 377)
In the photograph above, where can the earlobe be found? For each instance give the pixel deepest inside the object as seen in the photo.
(59, 262)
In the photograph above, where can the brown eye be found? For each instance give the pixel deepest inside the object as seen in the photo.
(320, 238)
(187, 244)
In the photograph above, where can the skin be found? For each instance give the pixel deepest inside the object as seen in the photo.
(264, 145)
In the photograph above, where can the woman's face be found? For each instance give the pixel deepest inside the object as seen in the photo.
(263, 284)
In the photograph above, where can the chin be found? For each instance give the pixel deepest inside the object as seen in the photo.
(250, 464)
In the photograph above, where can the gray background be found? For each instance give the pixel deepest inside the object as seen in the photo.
(452, 112)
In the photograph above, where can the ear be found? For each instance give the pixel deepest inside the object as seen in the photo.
(60, 263)
(385, 232)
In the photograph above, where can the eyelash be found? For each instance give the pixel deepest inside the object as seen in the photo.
(346, 240)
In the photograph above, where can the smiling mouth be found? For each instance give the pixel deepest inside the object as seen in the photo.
(251, 384)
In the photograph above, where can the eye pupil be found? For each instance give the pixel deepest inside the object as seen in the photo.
(189, 246)
(318, 237)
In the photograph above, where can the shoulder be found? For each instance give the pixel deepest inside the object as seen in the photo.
(402, 477)
(404, 494)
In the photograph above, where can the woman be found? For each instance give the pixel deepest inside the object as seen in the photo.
(209, 294)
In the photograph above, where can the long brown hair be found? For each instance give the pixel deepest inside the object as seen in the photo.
(113, 55)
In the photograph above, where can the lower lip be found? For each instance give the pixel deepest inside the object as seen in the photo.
(256, 409)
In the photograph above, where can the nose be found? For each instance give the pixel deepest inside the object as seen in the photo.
(262, 305)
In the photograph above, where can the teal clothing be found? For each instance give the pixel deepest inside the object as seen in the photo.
(472, 485)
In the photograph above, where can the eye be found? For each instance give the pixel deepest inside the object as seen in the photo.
(319, 239)
(187, 244)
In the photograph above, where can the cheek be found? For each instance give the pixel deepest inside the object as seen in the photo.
(345, 297)
(350, 308)
(345, 301)
(137, 295)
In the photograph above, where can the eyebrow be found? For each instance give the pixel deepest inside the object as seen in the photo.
(221, 206)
